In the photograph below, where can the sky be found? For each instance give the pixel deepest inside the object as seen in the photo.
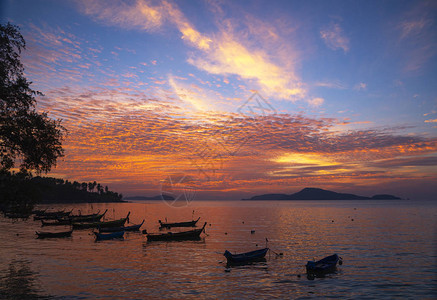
(230, 99)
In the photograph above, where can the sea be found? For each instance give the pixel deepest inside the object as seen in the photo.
(388, 249)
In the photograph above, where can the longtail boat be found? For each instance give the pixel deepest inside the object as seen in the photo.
(43, 235)
(109, 236)
(124, 228)
(177, 236)
(246, 257)
(115, 223)
(179, 224)
(59, 222)
(87, 218)
(323, 266)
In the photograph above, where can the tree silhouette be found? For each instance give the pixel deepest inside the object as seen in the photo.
(27, 136)
(90, 186)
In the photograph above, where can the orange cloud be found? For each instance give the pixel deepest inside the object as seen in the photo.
(141, 15)
(223, 53)
(133, 145)
(334, 37)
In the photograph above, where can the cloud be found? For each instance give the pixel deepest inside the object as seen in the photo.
(331, 84)
(230, 57)
(141, 15)
(197, 97)
(334, 38)
(415, 33)
(124, 136)
(360, 86)
(431, 121)
(412, 28)
(136, 135)
(223, 53)
(316, 102)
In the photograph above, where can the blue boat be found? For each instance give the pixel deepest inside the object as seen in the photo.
(324, 266)
(245, 257)
(109, 236)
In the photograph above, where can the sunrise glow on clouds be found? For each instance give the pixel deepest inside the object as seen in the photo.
(148, 89)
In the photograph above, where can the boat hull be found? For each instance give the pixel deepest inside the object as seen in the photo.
(109, 236)
(177, 236)
(87, 218)
(124, 228)
(246, 257)
(178, 224)
(323, 266)
(55, 223)
(115, 223)
(43, 235)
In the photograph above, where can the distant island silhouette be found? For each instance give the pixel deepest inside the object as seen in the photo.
(159, 197)
(320, 194)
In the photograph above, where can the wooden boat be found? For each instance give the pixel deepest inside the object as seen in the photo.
(109, 236)
(87, 218)
(62, 234)
(59, 222)
(246, 257)
(177, 236)
(325, 265)
(124, 228)
(115, 223)
(179, 224)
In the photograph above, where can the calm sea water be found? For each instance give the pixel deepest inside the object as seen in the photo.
(389, 250)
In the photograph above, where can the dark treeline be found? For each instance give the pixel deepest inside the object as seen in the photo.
(64, 191)
(21, 191)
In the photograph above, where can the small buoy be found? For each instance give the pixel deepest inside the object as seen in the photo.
(243, 222)
(228, 270)
(352, 219)
(18, 234)
(210, 225)
(332, 221)
(355, 208)
(226, 233)
(256, 245)
(281, 254)
(298, 275)
(252, 231)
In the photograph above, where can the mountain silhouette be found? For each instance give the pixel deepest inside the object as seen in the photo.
(320, 194)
